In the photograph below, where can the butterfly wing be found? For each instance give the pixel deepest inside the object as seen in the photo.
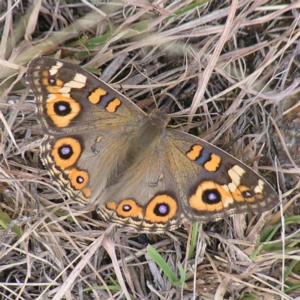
(212, 184)
(72, 100)
(86, 124)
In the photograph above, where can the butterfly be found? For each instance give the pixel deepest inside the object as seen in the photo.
(102, 149)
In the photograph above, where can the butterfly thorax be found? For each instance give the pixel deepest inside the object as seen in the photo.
(145, 140)
(159, 117)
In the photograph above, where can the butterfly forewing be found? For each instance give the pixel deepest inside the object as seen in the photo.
(214, 184)
(70, 99)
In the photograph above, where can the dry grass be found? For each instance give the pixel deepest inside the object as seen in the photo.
(230, 71)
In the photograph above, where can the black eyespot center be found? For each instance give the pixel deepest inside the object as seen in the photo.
(52, 81)
(80, 179)
(247, 194)
(62, 108)
(211, 196)
(161, 209)
(126, 207)
(65, 152)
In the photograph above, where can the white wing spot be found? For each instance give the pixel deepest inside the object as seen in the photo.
(236, 173)
(65, 91)
(55, 68)
(228, 201)
(260, 187)
(78, 82)
(80, 79)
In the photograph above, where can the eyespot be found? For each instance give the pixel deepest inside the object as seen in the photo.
(129, 208)
(78, 178)
(62, 109)
(161, 209)
(210, 196)
(66, 152)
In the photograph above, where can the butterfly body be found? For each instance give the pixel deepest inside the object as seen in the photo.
(101, 149)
